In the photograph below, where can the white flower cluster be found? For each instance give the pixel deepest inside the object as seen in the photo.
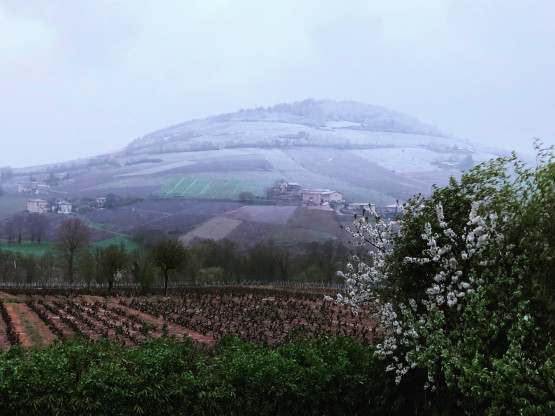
(119, 275)
(449, 254)
(360, 277)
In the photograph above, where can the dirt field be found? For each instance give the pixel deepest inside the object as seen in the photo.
(269, 214)
(215, 229)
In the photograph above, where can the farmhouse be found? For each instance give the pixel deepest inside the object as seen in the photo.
(27, 187)
(293, 187)
(63, 207)
(31, 187)
(100, 201)
(320, 196)
(38, 205)
(284, 187)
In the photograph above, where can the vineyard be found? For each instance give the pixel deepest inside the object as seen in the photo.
(214, 189)
(261, 315)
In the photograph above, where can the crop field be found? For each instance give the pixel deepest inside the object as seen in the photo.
(311, 225)
(33, 318)
(215, 189)
(215, 229)
(159, 214)
(270, 214)
(122, 219)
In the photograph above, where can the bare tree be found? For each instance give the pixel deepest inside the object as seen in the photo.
(36, 225)
(73, 236)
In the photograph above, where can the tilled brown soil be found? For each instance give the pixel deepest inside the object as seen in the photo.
(204, 317)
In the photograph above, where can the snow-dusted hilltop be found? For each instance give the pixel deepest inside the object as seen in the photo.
(309, 122)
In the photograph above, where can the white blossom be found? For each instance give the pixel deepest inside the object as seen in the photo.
(447, 288)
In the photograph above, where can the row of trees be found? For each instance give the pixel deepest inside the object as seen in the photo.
(31, 227)
(160, 260)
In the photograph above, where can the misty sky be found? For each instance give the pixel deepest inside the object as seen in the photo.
(80, 78)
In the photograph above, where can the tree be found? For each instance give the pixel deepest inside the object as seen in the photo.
(143, 270)
(18, 223)
(112, 263)
(111, 201)
(37, 225)
(246, 196)
(210, 275)
(169, 255)
(260, 262)
(46, 265)
(464, 283)
(88, 267)
(73, 237)
(31, 265)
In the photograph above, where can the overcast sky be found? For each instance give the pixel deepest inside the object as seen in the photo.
(80, 78)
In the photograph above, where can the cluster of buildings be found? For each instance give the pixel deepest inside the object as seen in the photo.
(31, 187)
(316, 197)
(309, 197)
(359, 207)
(322, 197)
(42, 206)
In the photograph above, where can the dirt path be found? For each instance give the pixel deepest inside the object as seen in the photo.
(4, 343)
(13, 309)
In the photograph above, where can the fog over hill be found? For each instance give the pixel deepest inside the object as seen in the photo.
(312, 113)
(192, 175)
(367, 153)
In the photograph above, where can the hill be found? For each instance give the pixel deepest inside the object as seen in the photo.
(367, 153)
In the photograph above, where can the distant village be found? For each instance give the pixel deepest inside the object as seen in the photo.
(284, 191)
(42, 206)
(288, 191)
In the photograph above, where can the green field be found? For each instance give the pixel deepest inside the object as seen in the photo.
(213, 189)
(27, 248)
(130, 245)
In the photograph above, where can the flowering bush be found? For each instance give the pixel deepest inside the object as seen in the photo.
(463, 283)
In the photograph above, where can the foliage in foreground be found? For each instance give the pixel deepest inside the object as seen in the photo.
(167, 376)
(465, 286)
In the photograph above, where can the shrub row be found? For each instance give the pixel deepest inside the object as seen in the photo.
(328, 376)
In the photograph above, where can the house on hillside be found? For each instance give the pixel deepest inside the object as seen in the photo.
(390, 209)
(293, 187)
(316, 197)
(63, 207)
(285, 187)
(38, 205)
(27, 187)
(31, 187)
(100, 201)
(357, 207)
